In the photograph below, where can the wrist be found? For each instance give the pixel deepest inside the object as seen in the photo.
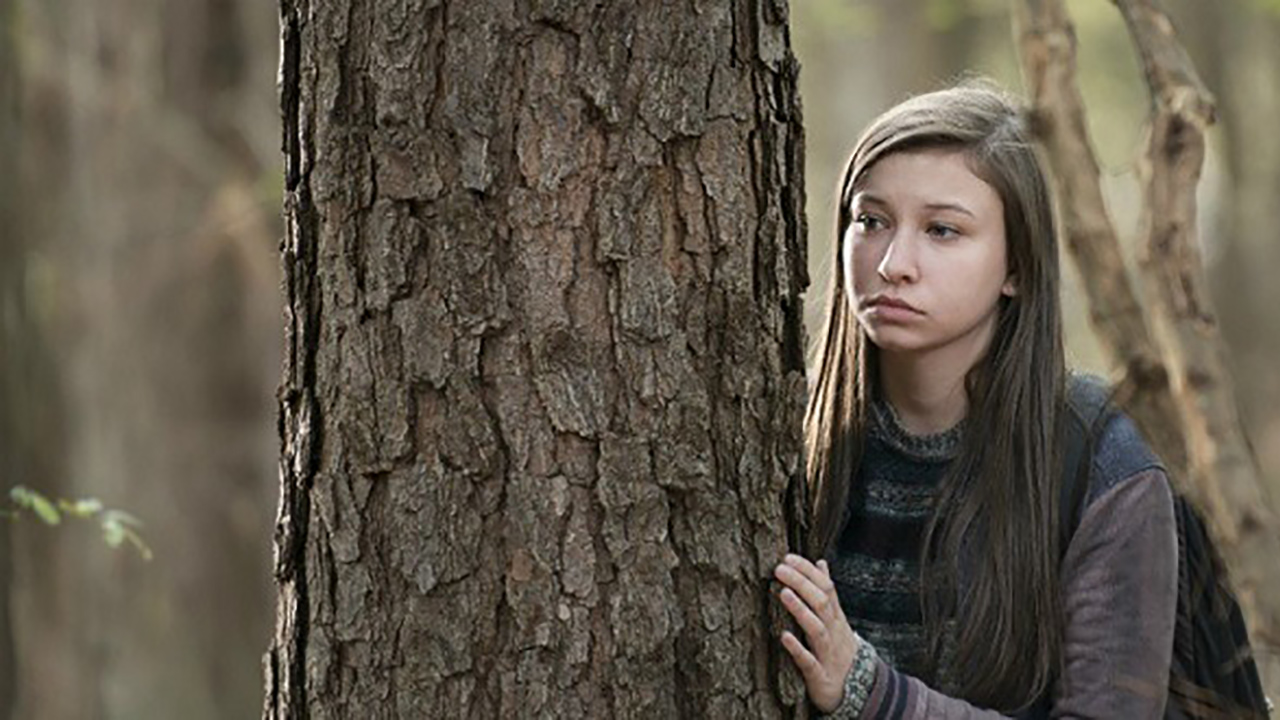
(858, 682)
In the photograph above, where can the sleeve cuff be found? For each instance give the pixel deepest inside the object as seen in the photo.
(857, 683)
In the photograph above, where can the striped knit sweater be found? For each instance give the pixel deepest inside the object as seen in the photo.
(876, 565)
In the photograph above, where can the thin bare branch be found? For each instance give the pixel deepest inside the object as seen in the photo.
(1223, 465)
(1047, 43)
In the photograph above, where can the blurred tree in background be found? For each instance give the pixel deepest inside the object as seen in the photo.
(1236, 46)
(11, 325)
(147, 266)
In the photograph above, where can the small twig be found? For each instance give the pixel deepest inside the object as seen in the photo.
(118, 527)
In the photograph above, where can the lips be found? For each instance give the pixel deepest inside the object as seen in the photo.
(884, 301)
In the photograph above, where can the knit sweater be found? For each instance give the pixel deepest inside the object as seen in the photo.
(1118, 576)
(876, 567)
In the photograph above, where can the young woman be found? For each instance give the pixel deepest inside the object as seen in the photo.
(934, 451)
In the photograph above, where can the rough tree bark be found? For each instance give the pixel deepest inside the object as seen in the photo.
(543, 378)
(1223, 472)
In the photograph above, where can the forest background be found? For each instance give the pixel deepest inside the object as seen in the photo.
(140, 193)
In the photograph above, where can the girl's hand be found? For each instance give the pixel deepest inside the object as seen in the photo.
(810, 597)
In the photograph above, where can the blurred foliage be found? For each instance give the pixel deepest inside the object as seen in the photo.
(943, 15)
(864, 17)
(268, 187)
(118, 527)
(851, 18)
(1111, 82)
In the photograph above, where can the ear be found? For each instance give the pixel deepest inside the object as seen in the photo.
(1010, 287)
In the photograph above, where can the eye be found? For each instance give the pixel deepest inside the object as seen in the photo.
(866, 222)
(942, 232)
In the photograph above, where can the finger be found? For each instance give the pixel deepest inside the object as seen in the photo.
(806, 661)
(818, 574)
(814, 628)
(811, 593)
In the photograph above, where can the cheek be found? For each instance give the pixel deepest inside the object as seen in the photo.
(975, 288)
(859, 265)
(999, 271)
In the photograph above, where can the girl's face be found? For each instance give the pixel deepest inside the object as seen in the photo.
(925, 257)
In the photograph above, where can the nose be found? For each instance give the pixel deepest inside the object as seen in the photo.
(898, 264)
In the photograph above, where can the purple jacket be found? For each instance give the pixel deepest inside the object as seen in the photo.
(1119, 579)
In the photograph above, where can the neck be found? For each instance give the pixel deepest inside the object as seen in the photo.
(927, 394)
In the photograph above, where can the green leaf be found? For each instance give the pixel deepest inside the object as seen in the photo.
(20, 496)
(36, 503)
(121, 517)
(85, 507)
(45, 509)
(116, 531)
(113, 532)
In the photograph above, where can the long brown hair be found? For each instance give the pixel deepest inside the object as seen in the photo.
(998, 501)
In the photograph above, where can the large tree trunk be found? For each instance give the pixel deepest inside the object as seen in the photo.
(543, 375)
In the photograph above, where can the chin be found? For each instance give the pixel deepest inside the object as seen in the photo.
(895, 342)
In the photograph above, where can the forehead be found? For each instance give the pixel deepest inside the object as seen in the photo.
(926, 177)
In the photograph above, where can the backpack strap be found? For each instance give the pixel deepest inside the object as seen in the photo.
(1088, 408)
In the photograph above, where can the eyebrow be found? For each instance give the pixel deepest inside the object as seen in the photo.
(866, 197)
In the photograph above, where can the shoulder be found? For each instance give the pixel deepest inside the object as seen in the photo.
(1120, 453)
(1117, 451)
